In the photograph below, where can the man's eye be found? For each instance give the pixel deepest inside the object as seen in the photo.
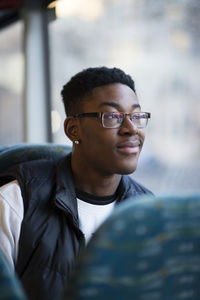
(138, 117)
(110, 117)
(118, 117)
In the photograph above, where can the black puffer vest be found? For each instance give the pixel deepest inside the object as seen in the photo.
(50, 238)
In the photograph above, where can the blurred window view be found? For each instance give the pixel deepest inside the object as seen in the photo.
(11, 84)
(157, 43)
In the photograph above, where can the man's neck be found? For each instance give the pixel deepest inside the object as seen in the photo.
(95, 183)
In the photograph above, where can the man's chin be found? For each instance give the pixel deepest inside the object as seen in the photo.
(127, 170)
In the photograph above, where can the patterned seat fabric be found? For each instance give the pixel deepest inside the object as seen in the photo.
(148, 249)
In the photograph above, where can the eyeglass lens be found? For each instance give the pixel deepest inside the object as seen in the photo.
(114, 120)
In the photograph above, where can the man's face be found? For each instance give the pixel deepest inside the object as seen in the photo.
(106, 150)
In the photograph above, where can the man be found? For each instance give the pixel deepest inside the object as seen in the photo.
(51, 209)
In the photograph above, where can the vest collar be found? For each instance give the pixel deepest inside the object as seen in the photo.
(65, 191)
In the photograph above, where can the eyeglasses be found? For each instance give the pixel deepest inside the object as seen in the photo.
(115, 119)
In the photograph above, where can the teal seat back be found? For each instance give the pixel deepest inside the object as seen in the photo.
(10, 287)
(148, 249)
(10, 156)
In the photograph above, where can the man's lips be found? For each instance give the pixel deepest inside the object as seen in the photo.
(129, 147)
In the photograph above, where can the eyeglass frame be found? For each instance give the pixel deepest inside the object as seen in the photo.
(100, 116)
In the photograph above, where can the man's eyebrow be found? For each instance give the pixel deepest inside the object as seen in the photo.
(136, 105)
(116, 105)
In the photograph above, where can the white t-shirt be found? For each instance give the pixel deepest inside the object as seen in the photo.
(91, 215)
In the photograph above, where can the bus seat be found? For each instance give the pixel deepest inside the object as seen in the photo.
(10, 287)
(10, 156)
(148, 249)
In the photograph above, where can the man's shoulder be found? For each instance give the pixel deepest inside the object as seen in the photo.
(36, 169)
(33, 168)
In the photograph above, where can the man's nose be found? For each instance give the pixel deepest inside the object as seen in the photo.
(128, 127)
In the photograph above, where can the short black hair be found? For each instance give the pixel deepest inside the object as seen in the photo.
(81, 84)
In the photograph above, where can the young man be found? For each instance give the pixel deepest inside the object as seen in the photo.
(51, 209)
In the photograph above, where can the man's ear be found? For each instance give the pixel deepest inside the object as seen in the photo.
(71, 128)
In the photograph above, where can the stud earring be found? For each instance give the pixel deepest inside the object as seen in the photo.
(76, 142)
